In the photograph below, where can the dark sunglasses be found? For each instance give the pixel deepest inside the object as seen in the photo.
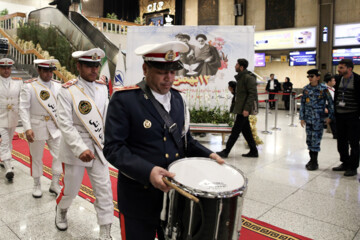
(310, 76)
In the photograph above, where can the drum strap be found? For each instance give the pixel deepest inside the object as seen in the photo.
(170, 124)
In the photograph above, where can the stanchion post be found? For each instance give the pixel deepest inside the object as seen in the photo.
(290, 103)
(276, 116)
(293, 111)
(266, 117)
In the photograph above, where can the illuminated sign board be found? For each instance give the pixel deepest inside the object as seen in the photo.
(348, 53)
(347, 34)
(299, 58)
(291, 38)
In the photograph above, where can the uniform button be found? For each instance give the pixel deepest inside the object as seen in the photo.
(176, 155)
(146, 187)
(164, 139)
(167, 155)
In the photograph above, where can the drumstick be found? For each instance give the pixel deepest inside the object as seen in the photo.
(179, 190)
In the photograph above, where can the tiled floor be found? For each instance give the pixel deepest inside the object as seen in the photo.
(321, 204)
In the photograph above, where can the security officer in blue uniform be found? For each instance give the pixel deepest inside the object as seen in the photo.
(312, 114)
(140, 143)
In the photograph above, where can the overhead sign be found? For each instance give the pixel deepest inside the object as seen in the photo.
(291, 38)
(155, 6)
(347, 34)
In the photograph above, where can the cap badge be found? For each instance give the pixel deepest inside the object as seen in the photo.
(170, 55)
(51, 65)
(147, 124)
(6, 62)
(44, 95)
(84, 107)
(95, 56)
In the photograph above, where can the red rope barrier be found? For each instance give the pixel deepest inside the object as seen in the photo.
(275, 93)
(273, 100)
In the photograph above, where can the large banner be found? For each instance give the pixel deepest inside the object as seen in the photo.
(209, 63)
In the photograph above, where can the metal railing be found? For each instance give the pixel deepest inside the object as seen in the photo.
(26, 57)
(107, 25)
(12, 21)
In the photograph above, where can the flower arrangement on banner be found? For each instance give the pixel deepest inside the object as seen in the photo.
(218, 43)
(198, 102)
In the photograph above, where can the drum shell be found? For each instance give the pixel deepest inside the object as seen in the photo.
(212, 227)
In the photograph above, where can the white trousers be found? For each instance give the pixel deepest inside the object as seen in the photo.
(7, 135)
(37, 152)
(100, 181)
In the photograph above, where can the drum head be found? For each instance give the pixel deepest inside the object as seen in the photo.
(205, 177)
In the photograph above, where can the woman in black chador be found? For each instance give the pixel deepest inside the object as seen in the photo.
(287, 88)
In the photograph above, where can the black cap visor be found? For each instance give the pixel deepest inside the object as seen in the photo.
(90, 64)
(167, 66)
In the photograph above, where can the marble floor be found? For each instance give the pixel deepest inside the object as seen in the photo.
(320, 204)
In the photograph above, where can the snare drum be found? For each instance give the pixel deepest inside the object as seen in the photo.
(220, 189)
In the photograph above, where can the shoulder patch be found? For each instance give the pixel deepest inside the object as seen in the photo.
(69, 83)
(16, 78)
(100, 82)
(56, 81)
(31, 80)
(132, 87)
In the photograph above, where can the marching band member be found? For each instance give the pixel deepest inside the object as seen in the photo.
(9, 109)
(38, 115)
(142, 144)
(82, 105)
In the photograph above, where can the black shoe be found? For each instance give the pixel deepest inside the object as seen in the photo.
(339, 168)
(223, 154)
(251, 154)
(350, 172)
(312, 166)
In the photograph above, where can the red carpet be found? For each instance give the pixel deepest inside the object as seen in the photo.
(252, 229)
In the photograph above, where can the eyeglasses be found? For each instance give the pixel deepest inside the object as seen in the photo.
(310, 76)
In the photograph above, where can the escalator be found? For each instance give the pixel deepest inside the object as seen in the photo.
(78, 30)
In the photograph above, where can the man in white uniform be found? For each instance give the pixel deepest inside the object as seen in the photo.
(38, 115)
(82, 105)
(10, 88)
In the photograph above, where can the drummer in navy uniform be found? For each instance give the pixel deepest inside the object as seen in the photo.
(10, 88)
(140, 143)
(82, 105)
(38, 115)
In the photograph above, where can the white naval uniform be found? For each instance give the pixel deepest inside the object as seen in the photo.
(35, 117)
(9, 113)
(75, 140)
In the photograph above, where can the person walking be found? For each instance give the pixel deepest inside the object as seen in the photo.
(10, 88)
(245, 102)
(38, 115)
(147, 128)
(82, 105)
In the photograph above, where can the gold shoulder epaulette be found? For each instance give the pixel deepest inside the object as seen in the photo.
(100, 82)
(57, 81)
(30, 80)
(132, 87)
(69, 83)
(16, 78)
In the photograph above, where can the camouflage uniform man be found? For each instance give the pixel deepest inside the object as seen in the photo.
(312, 114)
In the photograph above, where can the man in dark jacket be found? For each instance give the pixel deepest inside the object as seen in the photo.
(246, 98)
(139, 143)
(347, 113)
(272, 86)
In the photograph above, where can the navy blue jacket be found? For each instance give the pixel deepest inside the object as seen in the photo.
(135, 148)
